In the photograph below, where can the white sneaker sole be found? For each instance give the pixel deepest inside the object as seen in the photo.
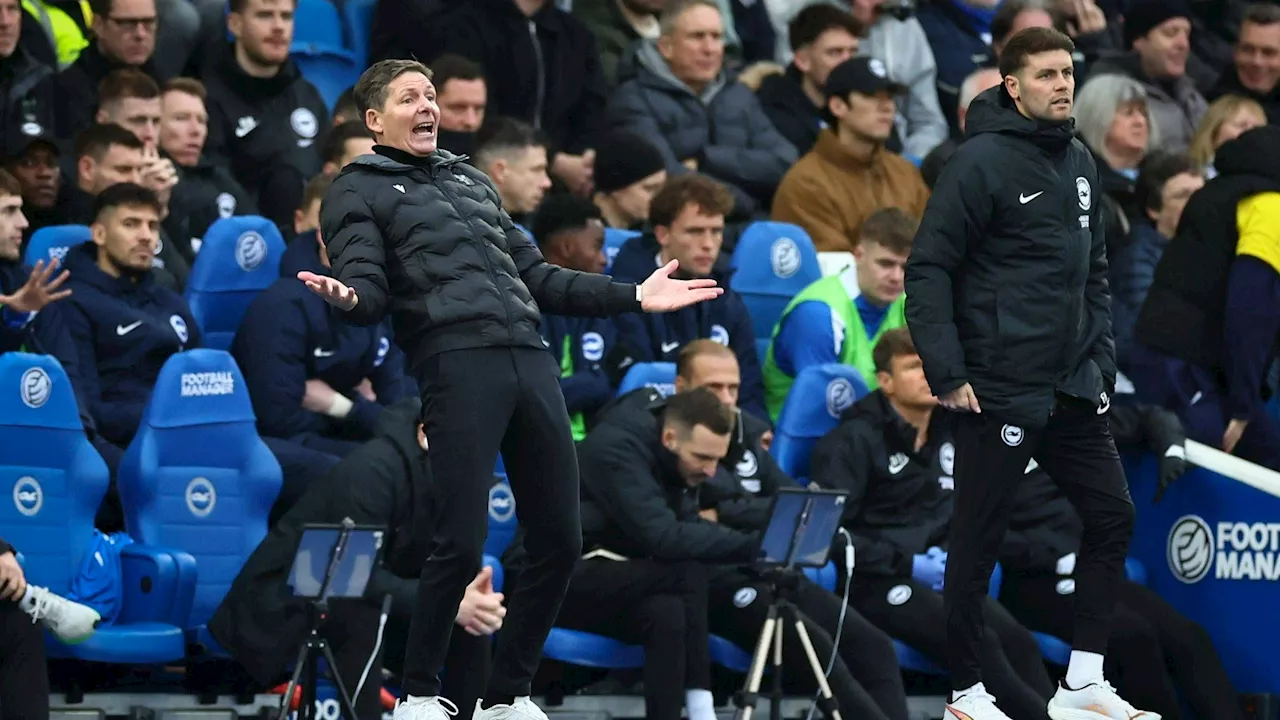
(1057, 712)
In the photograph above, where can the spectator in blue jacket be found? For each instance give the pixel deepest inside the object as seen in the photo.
(687, 217)
(570, 233)
(1166, 181)
(313, 379)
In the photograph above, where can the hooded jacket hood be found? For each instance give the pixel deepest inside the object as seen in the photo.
(994, 111)
(1253, 153)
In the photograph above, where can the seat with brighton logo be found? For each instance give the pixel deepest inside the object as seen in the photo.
(239, 258)
(52, 242)
(812, 409)
(660, 376)
(614, 239)
(198, 478)
(502, 514)
(772, 263)
(51, 483)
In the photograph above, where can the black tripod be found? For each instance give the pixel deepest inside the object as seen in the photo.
(783, 584)
(315, 646)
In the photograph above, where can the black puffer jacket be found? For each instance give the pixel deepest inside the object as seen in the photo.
(1007, 281)
(427, 240)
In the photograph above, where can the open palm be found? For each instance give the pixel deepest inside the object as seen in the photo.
(332, 290)
(40, 289)
(663, 293)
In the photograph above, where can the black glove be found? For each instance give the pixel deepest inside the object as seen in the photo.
(1172, 466)
(617, 362)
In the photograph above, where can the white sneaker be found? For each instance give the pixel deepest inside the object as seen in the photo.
(429, 708)
(522, 709)
(1096, 701)
(69, 621)
(977, 705)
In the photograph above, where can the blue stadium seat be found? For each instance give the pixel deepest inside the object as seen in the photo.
(727, 655)
(590, 650)
(318, 21)
(358, 15)
(614, 239)
(197, 477)
(773, 262)
(812, 409)
(56, 481)
(330, 67)
(502, 515)
(496, 564)
(53, 241)
(239, 258)
(658, 375)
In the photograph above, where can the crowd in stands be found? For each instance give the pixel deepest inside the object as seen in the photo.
(668, 127)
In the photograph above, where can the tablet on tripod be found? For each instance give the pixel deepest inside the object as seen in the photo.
(335, 562)
(802, 525)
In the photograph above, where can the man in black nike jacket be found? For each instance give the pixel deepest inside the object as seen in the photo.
(416, 232)
(1007, 302)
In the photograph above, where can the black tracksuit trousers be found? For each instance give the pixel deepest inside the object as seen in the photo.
(24, 674)
(662, 607)
(1155, 651)
(476, 403)
(1076, 449)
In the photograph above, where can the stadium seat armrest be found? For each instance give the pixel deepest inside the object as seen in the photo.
(496, 564)
(997, 577)
(151, 585)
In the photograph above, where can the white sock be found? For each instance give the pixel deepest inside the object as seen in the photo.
(957, 694)
(27, 602)
(418, 699)
(1085, 668)
(700, 704)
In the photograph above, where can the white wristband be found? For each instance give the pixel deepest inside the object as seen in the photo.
(340, 407)
(1176, 451)
(640, 293)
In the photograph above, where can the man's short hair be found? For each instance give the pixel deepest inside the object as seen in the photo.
(9, 185)
(1032, 41)
(1262, 13)
(809, 24)
(503, 137)
(455, 67)
(562, 212)
(371, 89)
(124, 84)
(187, 86)
(317, 187)
(893, 343)
(239, 6)
(696, 349)
(1156, 169)
(335, 143)
(125, 195)
(346, 105)
(892, 228)
(676, 8)
(698, 406)
(1007, 14)
(710, 196)
(95, 140)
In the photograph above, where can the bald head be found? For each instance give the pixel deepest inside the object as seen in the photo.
(978, 82)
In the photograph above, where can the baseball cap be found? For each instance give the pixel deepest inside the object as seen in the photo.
(863, 75)
(24, 136)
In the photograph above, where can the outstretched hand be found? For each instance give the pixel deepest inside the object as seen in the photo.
(662, 293)
(40, 289)
(332, 290)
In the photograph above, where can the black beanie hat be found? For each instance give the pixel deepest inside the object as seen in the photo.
(623, 159)
(1143, 16)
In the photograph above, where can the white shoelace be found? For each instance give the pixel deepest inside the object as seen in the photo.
(1128, 708)
(41, 606)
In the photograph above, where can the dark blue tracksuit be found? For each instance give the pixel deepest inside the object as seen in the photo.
(121, 333)
(655, 337)
(583, 381)
(288, 337)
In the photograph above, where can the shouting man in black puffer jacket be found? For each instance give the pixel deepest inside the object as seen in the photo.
(414, 231)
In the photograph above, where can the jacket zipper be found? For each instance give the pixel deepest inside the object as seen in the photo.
(484, 252)
(538, 62)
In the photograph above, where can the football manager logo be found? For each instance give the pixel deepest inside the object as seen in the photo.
(1190, 549)
(35, 387)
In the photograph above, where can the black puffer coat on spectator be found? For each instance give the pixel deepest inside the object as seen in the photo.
(426, 239)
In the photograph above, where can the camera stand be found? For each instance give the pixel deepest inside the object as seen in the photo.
(783, 584)
(313, 649)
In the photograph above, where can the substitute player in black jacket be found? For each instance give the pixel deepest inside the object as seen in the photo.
(893, 452)
(416, 232)
(1008, 304)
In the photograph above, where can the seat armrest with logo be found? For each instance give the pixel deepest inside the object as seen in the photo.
(156, 589)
